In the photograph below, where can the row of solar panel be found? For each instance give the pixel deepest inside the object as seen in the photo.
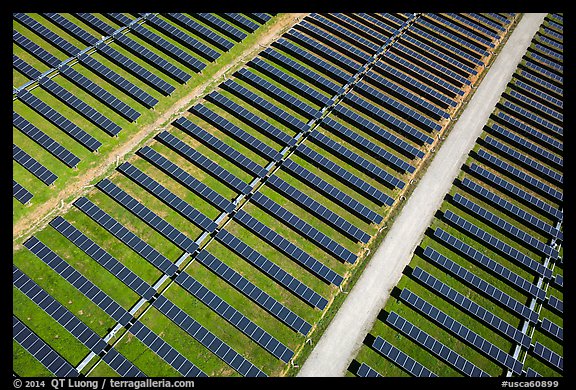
(147, 292)
(71, 323)
(195, 288)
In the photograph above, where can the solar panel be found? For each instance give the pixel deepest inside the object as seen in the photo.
(483, 260)
(538, 107)
(127, 237)
(441, 56)
(314, 61)
(420, 73)
(240, 21)
(206, 338)
(20, 193)
(376, 131)
(278, 94)
(220, 147)
(41, 30)
(401, 359)
(514, 155)
(335, 42)
(420, 60)
(473, 25)
(203, 162)
(79, 281)
(236, 132)
(259, 16)
(100, 93)
(320, 211)
(552, 329)
(363, 29)
(187, 40)
(486, 21)
(304, 228)
(488, 289)
(249, 118)
(145, 214)
(470, 337)
(547, 62)
(111, 53)
(235, 317)
(558, 280)
(25, 68)
(434, 346)
(399, 107)
(288, 81)
(161, 192)
(186, 179)
(519, 193)
(469, 306)
(41, 350)
(302, 71)
(221, 26)
(534, 118)
(112, 265)
(199, 30)
(82, 137)
(254, 293)
(549, 75)
(331, 192)
(549, 356)
(551, 43)
(368, 146)
(555, 303)
(522, 215)
(447, 34)
(345, 176)
(541, 95)
(136, 48)
(374, 23)
(165, 351)
(358, 161)
(493, 219)
(271, 269)
(286, 247)
(327, 53)
(80, 106)
(402, 78)
(264, 106)
(548, 87)
(70, 322)
(466, 32)
(553, 34)
(390, 120)
(36, 51)
(366, 371)
(336, 28)
(33, 166)
(530, 373)
(521, 176)
(498, 245)
(57, 150)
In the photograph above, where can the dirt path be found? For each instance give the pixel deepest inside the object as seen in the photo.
(35, 221)
(344, 336)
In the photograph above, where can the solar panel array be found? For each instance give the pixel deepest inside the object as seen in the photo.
(38, 348)
(491, 250)
(137, 36)
(287, 99)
